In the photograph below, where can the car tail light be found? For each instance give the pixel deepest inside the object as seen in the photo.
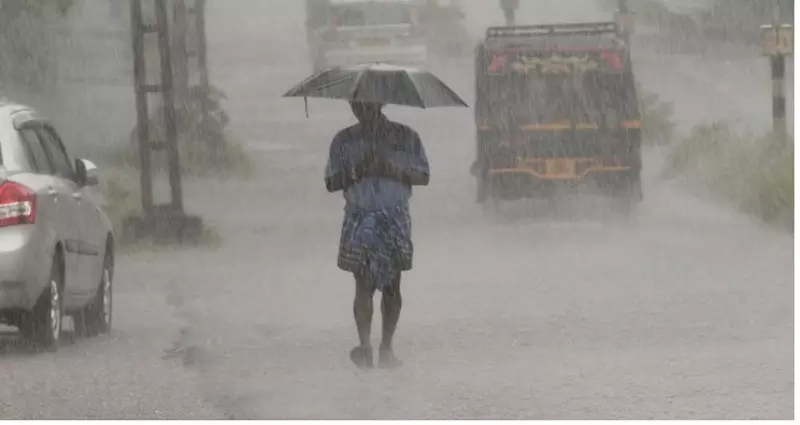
(17, 204)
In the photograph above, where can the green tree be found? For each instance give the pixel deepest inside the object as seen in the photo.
(29, 28)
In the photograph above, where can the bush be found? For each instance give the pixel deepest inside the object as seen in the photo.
(122, 201)
(657, 124)
(755, 173)
(720, 20)
(205, 147)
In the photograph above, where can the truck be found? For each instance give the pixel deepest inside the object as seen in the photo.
(556, 108)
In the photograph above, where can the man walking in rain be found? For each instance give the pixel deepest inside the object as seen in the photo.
(375, 163)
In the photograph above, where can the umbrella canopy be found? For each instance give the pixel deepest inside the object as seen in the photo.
(379, 83)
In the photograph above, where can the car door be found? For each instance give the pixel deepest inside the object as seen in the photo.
(70, 214)
(93, 228)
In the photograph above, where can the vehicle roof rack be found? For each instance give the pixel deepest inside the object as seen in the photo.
(583, 28)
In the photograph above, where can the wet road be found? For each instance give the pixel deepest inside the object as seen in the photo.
(684, 311)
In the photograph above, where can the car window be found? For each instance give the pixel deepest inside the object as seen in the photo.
(372, 14)
(58, 156)
(37, 156)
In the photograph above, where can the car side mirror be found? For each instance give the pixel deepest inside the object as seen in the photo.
(86, 172)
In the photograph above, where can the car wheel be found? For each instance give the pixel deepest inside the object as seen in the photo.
(44, 323)
(95, 319)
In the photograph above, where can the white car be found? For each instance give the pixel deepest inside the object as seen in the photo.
(369, 31)
(56, 242)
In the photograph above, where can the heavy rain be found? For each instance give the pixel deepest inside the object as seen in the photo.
(605, 231)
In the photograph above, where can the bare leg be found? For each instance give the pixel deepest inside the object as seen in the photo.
(362, 312)
(391, 304)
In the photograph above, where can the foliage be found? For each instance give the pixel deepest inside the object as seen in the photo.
(204, 145)
(657, 124)
(26, 41)
(724, 20)
(122, 201)
(753, 172)
(741, 19)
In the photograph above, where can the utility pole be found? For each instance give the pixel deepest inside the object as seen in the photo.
(166, 222)
(199, 52)
(138, 31)
(509, 10)
(624, 19)
(778, 42)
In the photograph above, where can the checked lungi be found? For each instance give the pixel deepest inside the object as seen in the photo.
(376, 244)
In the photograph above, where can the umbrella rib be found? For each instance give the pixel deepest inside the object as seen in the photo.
(453, 94)
(356, 85)
(330, 84)
(416, 89)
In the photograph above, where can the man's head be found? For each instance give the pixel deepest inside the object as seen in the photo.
(366, 112)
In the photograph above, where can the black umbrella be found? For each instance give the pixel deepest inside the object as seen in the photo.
(379, 83)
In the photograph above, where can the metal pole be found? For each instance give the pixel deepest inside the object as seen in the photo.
(509, 17)
(509, 10)
(625, 11)
(142, 118)
(168, 90)
(778, 95)
(202, 52)
(778, 65)
(202, 60)
(180, 57)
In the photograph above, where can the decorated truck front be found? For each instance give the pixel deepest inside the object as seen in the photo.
(555, 106)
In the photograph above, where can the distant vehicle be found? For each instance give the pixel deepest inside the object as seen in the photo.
(445, 31)
(556, 107)
(342, 32)
(56, 242)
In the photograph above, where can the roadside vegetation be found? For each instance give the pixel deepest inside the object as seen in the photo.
(123, 199)
(752, 172)
(205, 147)
(27, 62)
(720, 20)
(658, 127)
(29, 73)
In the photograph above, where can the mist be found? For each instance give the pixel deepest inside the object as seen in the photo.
(679, 308)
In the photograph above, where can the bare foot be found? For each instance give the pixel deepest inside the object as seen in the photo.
(387, 359)
(362, 357)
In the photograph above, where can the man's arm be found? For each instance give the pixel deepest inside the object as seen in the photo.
(337, 177)
(409, 166)
(339, 181)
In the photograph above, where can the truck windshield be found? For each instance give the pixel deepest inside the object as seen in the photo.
(371, 14)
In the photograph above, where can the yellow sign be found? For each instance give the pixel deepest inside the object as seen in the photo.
(777, 41)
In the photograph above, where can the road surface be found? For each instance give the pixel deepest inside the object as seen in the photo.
(685, 311)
